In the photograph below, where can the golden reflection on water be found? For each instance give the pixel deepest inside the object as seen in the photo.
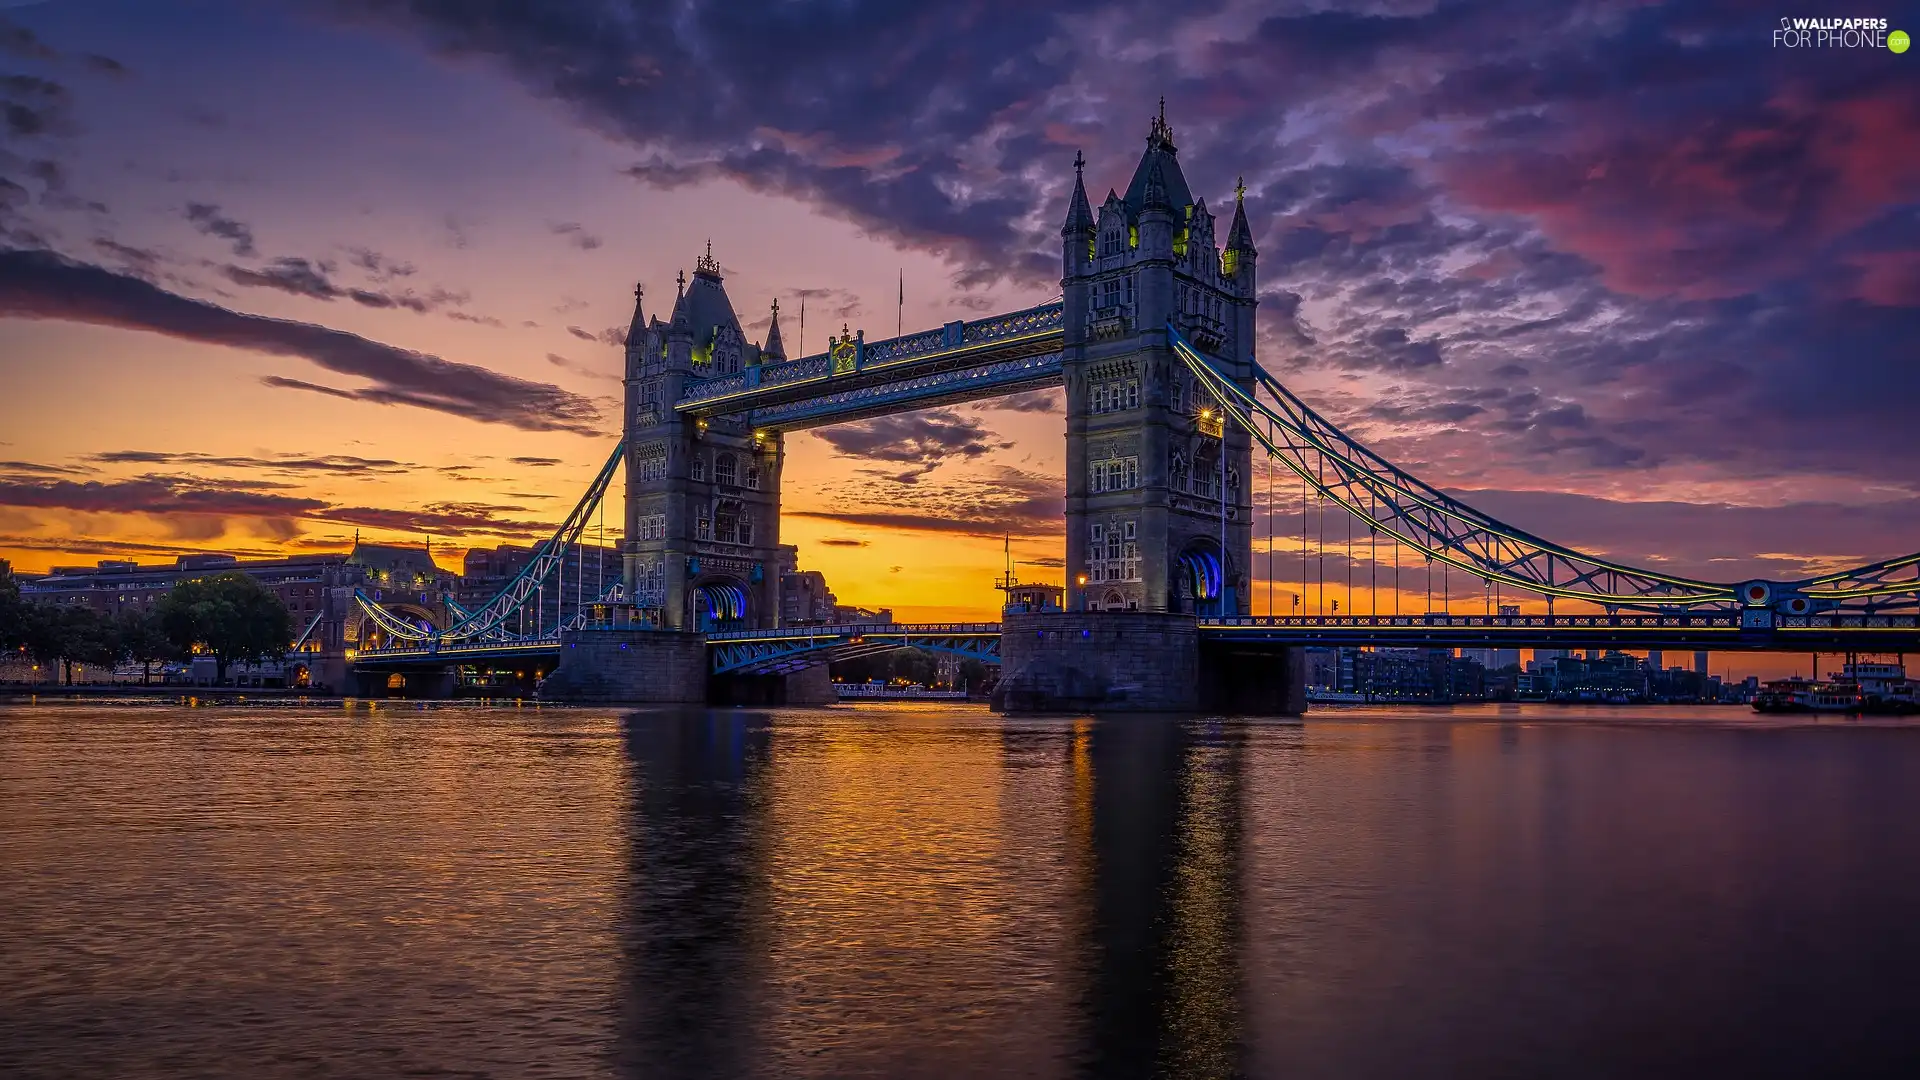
(936, 891)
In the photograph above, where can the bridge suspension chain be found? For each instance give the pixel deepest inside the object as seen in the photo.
(1368, 487)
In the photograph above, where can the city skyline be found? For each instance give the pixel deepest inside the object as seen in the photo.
(275, 274)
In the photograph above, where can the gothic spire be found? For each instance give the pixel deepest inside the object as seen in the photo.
(679, 316)
(1239, 235)
(774, 349)
(637, 329)
(1079, 214)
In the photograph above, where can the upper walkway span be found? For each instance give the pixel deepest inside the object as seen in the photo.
(857, 379)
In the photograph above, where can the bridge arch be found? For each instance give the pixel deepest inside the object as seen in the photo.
(1198, 578)
(362, 632)
(718, 602)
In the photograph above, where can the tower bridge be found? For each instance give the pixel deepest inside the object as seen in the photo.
(1167, 412)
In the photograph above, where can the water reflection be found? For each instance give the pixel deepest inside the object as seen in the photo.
(899, 899)
(698, 885)
(1161, 989)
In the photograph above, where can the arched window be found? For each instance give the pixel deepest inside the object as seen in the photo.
(723, 470)
(699, 469)
(753, 477)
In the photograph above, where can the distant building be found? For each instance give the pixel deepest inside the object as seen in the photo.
(805, 599)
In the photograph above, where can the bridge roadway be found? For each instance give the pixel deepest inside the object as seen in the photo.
(789, 649)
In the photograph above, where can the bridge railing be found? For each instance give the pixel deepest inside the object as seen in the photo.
(854, 630)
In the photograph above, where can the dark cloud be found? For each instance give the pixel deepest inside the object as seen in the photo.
(199, 507)
(207, 218)
(578, 368)
(380, 268)
(575, 234)
(43, 285)
(157, 494)
(583, 335)
(997, 502)
(35, 468)
(836, 303)
(1034, 401)
(17, 40)
(106, 65)
(303, 277)
(542, 462)
(295, 276)
(924, 440)
(31, 106)
(335, 464)
(841, 541)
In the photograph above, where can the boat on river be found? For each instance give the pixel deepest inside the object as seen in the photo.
(1859, 688)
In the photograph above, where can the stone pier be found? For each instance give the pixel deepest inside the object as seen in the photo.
(1138, 661)
(1098, 661)
(640, 667)
(662, 667)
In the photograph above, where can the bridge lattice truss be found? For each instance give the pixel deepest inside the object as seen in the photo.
(1402, 507)
(488, 622)
(788, 649)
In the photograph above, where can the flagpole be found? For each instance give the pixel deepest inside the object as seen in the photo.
(803, 324)
(900, 313)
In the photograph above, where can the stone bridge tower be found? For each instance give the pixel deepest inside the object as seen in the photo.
(1159, 513)
(703, 496)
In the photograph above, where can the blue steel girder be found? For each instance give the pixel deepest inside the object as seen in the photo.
(792, 648)
(958, 362)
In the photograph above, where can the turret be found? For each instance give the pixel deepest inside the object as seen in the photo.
(773, 351)
(1236, 262)
(1077, 234)
(637, 335)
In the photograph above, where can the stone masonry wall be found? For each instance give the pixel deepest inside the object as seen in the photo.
(1107, 661)
(629, 666)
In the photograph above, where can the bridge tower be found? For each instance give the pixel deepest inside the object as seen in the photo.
(1159, 512)
(703, 495)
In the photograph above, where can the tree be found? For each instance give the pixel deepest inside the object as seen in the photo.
(142, 638)
(12, 609)
(59, 636)
(229, 615)
(43, 630)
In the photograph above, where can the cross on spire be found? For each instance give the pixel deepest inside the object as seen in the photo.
(639, 291)
(1079, 162)
(1240, 190)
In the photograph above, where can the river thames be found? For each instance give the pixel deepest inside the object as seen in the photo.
(931, 890)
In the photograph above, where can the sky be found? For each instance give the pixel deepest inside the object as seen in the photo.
(1625, 274)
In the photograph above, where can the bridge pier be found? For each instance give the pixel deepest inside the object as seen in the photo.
(629, 666)
(1105, 661)
(1139, 661)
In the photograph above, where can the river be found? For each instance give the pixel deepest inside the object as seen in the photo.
(910, 889)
